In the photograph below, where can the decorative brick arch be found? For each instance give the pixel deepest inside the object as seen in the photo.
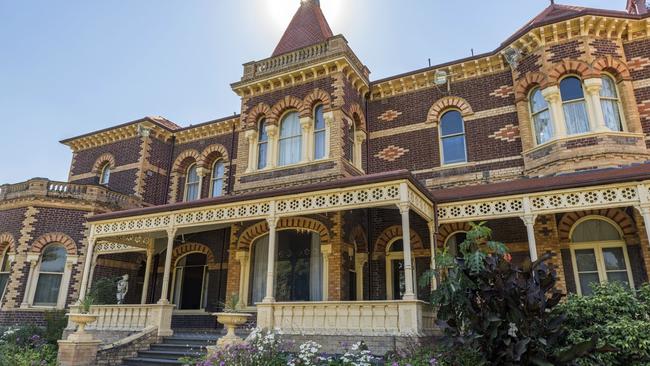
(287, 103)
(393, 233)
(210, 154)
(101, 161)
(622, 219)
(182, 161)
(355, 110)
(317, 96)
(256, 113)
(579, 68)
(49, 238)
(301, 223)
(614, 66)
(358, 235)
(527, 83)
(188, 248)
(441, 105)
(7, 241)
(447, 229)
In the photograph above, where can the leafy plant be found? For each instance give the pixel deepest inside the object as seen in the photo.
(55, 323)
(618, 316)
(104, 291)
(487, 303)
(86, 303)
(231, 305)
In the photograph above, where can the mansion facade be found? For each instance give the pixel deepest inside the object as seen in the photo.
(300, 204)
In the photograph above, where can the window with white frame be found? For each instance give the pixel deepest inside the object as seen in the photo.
(319, 133)
(290, 142)
(541, 117)
(50, 275)
(5, 271)
(262, 145)
(452, 137)
(574, 105)
(218, 170)
(599, 254)
(105, 175)
(192, 180)
(610, 103)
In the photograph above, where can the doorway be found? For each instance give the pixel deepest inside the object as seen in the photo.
(190, 282)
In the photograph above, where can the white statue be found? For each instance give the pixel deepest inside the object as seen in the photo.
(122, 288)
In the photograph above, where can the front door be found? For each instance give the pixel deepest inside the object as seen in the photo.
(190, 282)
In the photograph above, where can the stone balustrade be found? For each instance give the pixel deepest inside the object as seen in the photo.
(369, 318)
(41, 187)
(129, 318)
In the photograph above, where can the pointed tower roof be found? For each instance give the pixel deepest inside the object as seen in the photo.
(637, 6)
(307, 27)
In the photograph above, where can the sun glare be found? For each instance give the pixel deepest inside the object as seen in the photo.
(281, 11)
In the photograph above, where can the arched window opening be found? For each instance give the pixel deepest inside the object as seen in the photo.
(50, 275)
(262, 145)
(453, 243)
(611, 104)
(599, 255)
(290, 143)
(574, 105)
(218, 170)
(190, 289)
(541, 117)
(105, 175)
(192, 183)
(319, 133)
(298, 269)
(452, 136)
(5, 271)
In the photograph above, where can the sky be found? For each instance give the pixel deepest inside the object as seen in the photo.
(76, 66)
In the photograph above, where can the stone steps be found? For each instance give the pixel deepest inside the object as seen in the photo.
(172, 349)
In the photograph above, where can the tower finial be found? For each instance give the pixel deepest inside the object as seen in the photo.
(305, 2)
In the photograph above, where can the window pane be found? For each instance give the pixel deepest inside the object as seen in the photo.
(106, 175)
(319, 120)
(571, 89)
(454, 149)
(290, 150)
(258, 269)
(47, 289)
(543, 127)
(290, 126)
(6, 264)
(609, 88)
(4, 278)
(586, 260)
(537, 102)
(261, 157)
(53, 259)
(618, 277)
(586, 279)
(262, 132)
(397, 246)
(319, 145)
(611, 114)
(614, 259)
(575, 114)
(594, 230)
(217, 188)
(192, 192)
(451, 123)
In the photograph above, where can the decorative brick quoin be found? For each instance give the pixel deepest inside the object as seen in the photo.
(193, 214)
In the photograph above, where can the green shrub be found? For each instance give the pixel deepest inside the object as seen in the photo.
(56, 321)
(104, 291)
(618, 317)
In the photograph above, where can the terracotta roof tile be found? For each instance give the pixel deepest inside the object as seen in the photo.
(307, 27)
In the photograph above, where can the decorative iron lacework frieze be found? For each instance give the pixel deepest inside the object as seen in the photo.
(543, 203)
(110, 247)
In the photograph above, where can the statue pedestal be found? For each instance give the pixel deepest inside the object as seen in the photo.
(77, 353)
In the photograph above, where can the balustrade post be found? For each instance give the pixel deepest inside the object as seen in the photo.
(171, 235)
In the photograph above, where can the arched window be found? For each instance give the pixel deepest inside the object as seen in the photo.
(573, 102)
(5, 270)
(290, 140)
(540, 116)
(217, 178)
(319, 133)
(452, 137)
(50, 275)
(298, 269)
(262, 145)
(352, 130)
(599, 254)
(610, 104)
(192, 184)
(105, 176)
(190, 282)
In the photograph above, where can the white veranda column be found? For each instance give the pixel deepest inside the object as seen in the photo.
(147, 274)
(529, 220)
(171, 234)
(644, 207)
(404, 209)
(270, 269)
(432, 242)
(86, 274)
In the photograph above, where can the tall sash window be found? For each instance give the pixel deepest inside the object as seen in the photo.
(319, 133)
(290, 140)
(192, 184)
(574, 105)
(452, 138)
(541, 117)
(217, 178)
(262, 145)
(610, 104)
